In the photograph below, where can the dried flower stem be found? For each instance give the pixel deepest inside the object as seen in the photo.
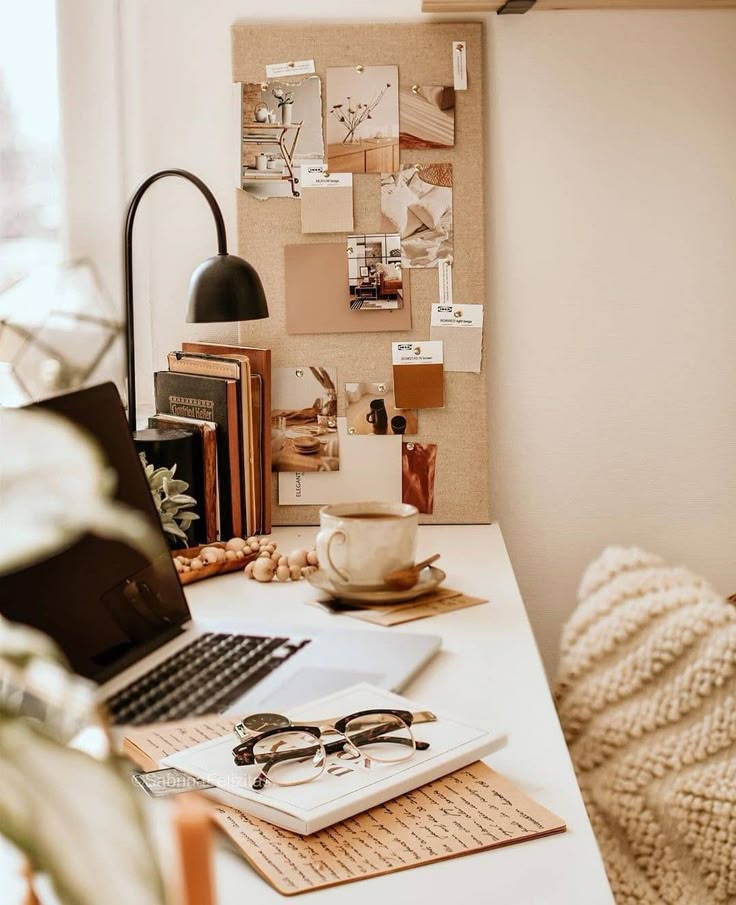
(353, 116)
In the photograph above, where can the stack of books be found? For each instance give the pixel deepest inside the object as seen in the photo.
(223, 394)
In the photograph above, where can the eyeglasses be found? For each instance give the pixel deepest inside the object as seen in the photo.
(298, 754)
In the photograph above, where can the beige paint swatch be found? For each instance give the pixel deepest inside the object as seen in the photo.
(460, 329)
(318, 297)
(327, 209)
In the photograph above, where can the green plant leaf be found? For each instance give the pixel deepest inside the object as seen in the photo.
(182, 499)
(175, 530)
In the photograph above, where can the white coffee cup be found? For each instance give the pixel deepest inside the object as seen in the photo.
(360, 543)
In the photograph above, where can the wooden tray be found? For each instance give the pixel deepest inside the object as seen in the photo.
(215, 568)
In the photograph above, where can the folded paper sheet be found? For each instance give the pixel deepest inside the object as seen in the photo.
(460, 329)
(370, 467)
(318, 294)
(419, 376)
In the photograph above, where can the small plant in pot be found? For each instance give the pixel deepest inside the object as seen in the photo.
(173, 504)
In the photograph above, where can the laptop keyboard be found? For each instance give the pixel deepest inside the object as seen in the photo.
(206, 676)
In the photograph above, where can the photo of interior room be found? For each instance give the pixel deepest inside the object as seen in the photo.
(374, 272)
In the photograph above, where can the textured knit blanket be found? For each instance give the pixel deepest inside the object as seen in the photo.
(647, 698)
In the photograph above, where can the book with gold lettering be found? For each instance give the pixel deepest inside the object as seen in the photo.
(211, 399)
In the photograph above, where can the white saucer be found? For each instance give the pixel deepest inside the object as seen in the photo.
(429, 579)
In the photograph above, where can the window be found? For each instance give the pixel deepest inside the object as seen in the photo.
(30, 156)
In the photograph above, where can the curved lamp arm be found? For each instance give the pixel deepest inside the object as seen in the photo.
(128, 265)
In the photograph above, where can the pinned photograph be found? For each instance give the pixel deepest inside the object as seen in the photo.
(371, 409)
(374, 272)
(281, 125)
(426, 117)
(418, 463)
(363, 119)
(304, 419)
(416, 202)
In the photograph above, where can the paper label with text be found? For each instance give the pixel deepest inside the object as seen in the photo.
(317, 178)
(460, 65)
(421, 352)
(298, 67)
(457, 316)
(444, 273)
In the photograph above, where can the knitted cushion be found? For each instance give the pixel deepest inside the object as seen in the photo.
(646, 693)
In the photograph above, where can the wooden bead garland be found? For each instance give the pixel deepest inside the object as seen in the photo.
(271, 564)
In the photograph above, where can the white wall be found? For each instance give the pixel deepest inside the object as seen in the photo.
(612, 360)
(612, 211)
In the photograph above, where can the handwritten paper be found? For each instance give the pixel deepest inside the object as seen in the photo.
(443, 600)
(471, 810)
(468, 811)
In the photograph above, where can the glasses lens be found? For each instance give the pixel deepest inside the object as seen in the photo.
(382, 737)
(290, 758)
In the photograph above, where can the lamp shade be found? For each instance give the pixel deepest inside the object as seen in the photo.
(225, 288)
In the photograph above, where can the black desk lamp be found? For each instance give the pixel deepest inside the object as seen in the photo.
(222, 288)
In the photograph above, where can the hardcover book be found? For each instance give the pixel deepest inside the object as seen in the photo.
(347, 786)
(210, 399)
(237, 368)
(260, 365)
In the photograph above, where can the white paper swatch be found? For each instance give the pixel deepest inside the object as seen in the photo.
(370, 469)
(460, 328)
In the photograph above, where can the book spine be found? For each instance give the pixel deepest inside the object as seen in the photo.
(214, 400)
(236, 459)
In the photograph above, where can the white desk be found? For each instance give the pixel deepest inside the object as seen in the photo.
(489, 672)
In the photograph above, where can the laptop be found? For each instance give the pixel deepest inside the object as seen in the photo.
(123, 620)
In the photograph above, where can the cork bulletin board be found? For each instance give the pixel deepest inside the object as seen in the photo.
(423, 53)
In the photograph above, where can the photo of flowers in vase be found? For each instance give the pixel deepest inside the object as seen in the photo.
(363, 119)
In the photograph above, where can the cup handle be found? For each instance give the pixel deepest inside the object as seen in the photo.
(370, 417)
(324, 545)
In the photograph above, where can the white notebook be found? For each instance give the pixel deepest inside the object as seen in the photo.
(352, 786)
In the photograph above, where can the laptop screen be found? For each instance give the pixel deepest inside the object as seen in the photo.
(104, 604)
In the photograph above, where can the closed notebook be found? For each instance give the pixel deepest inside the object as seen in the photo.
(318, 294)
(460, 329)
(326, 202)
(419, 375)
(210, 399)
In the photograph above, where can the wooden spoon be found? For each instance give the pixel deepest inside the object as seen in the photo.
(403, 579)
